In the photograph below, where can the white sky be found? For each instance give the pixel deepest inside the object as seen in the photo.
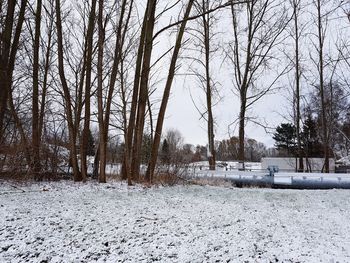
(182, 114)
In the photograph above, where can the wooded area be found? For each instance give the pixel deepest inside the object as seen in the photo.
(77, 79)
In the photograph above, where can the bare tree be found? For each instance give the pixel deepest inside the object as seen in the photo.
(125, 92)
(321, 38)
(67, 96)
(321, 21)
(35, 105)
(166, 94)
(205, 36)
(127, 169)
(104, 110)
(296, 4)
(47, 49)
(89, 54)
(9, 42)
(170, 78)
(256, 33)
(24, 93)
(102, 146)
(206, 39)
(143, 88)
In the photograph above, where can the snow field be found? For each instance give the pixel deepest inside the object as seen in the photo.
(67, 222)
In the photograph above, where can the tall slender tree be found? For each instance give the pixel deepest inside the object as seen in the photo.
(35, 97)
(296, 4)
(9, 42)
(67, 96)
(321, 36)
(104, 110)
(166, 94)
(209, 89)
(127, 171)
(89, 51)
(203, 35)
(256, 35)
(102, 139)
(143, 89)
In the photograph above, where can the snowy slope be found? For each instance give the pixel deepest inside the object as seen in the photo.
(111, 223)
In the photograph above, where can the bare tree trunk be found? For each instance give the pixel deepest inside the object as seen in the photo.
(7, 65)
(251, 49)
(150, 115)
(118, 53)
(35, 107)
(8, 55)
(321, 38)
(102, 145)
(131, 126)
(122, 28)
(140, 120)
(67, 96)
(46, 71)
(243, 77)
(241, 132)
(20, 128)
(5, 53)
(296, 6)
(126, 163)
(86, 129)
(166, 94)
(206, 41)
(96, 163)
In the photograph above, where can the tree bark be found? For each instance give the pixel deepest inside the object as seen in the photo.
(244, 81)
(250, 52)
(126, 169)
(35, 107)
(8, 56)
(166, 94)
(140, 120)
(96, 163)
(104, 119)
(120, 39)
(297, 83)
(67, 96)
(322, 95)
(206, 40)
(86, 129)
(102, 145)
(5, 37)
(241, 132)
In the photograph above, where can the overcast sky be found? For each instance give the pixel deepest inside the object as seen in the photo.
(274, 108)
(183, 115)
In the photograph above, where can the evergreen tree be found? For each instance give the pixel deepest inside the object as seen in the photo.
(311, 139)
(285, 138)
(165, 152)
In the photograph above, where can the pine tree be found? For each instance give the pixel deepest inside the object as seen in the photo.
(310, 138)
(165, 152)
(285, 137)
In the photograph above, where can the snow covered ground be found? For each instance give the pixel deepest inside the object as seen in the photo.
(67, 222)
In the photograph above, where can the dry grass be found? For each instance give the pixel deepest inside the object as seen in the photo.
(212, 182)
